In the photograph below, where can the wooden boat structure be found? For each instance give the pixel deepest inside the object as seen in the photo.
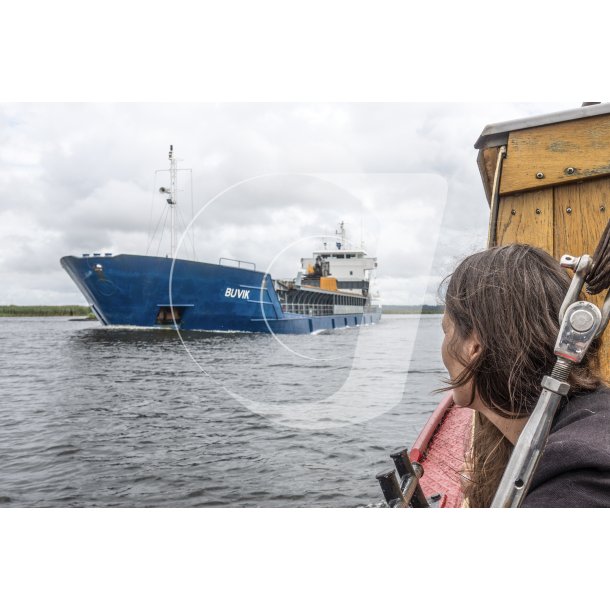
(547, 182)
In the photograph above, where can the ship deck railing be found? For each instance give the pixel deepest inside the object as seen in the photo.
(324, 309)
(308, 309)
(235, 262)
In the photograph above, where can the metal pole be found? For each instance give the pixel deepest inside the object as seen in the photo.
(172, 177)
(409, 477)
(495, 199)
(390, 488)
(526, 455)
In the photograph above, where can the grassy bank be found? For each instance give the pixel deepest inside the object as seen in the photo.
(30, 311)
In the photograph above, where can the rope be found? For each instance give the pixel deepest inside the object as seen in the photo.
(599, 276)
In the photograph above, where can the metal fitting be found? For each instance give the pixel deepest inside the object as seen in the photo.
(582, 320)
(555, 386)
(579, 327)
(569, 262)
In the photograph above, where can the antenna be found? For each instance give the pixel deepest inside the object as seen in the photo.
(361, 231)
(171, 200)
(172, 174)
(340, 233)
(170, 194)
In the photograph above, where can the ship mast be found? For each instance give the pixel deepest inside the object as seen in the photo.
(172, 199)
(340, 233)
(173, 170)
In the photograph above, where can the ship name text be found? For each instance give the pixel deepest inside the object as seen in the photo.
(237, 293)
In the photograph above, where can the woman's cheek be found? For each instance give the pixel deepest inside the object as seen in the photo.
(444, 352)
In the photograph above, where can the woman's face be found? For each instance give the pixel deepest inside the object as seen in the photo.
(454, 367)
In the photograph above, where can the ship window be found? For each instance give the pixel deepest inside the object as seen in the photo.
(340, 255)
(351, 273)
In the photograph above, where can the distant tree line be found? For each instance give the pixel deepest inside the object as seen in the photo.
(420, 309)
(44, 310)
(82, 310)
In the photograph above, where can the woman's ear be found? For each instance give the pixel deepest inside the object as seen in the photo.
(472, 347)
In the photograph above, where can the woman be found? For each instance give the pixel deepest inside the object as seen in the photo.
(500, 325)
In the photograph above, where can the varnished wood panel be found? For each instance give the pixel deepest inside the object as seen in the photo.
(583, 145)
(581, 214)
(526, 218)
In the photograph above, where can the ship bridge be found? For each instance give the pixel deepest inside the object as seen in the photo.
(351, 268)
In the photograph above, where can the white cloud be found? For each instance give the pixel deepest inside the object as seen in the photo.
(80, 177)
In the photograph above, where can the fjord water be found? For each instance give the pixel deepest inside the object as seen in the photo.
(101, 417)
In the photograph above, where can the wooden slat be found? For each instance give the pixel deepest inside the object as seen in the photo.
(558, 231)
(579, 231)
(582, 144)
(518, 221)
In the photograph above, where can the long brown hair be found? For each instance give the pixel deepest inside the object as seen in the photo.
(509, 298)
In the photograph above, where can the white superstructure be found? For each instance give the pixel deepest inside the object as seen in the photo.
(351, 267)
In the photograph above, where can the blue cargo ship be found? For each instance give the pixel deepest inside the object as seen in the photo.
(331, 291)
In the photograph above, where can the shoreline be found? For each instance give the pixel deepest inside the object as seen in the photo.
(84, 312)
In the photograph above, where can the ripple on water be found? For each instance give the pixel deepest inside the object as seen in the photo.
(121, 417)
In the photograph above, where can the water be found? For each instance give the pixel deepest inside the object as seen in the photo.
(91, 416)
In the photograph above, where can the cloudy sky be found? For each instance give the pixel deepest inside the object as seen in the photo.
(80, 177)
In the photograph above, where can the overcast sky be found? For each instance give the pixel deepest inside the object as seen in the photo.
(80, 178)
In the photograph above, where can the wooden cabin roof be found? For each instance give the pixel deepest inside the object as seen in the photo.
(496, 134)
(546, 150)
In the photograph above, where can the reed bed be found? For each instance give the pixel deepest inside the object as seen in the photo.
(30, 311)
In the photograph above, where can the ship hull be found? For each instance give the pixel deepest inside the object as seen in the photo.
(132, 290)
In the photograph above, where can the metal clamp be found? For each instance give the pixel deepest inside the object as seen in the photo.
(580, 325)
(581, 267)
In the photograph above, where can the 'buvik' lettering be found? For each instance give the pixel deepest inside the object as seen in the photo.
(237, 293)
